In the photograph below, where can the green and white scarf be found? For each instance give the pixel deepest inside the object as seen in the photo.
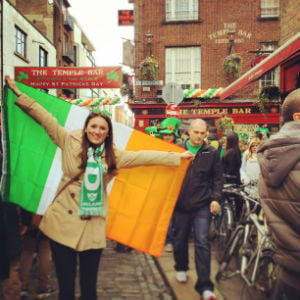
(92, 191)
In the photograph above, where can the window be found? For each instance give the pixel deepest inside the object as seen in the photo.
(181, 10)
(269, 8)
(43, 57)
(268, 79)
(183, 66)
(20, 41)
(268, 46)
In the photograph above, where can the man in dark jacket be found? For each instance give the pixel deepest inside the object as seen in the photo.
(199, 196)
(279, 190)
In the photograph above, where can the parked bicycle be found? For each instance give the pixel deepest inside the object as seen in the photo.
(226, 221)
(249, 253)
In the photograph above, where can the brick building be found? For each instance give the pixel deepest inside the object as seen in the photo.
(190, 41)
(52, 19)
(284, 62)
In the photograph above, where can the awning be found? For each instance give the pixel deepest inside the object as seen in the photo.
(277, 57)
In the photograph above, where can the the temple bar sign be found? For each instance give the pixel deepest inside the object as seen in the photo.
(86, 77)
(125, 17)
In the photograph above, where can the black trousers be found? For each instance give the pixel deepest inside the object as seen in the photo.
(65, 261)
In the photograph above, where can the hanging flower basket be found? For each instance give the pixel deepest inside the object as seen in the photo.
(224, 124)
(232, 65)
(149, 68)
(265, 94)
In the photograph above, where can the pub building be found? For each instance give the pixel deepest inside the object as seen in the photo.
(213, 104)
(246, 115)
(190, 48)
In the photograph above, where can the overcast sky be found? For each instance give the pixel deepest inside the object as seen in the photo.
(99, 21)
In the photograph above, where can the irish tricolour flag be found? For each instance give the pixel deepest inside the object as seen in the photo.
(141, 199)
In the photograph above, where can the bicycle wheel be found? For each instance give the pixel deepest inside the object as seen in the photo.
(213, 229)
(225, 228)
(265, 279)
(229, 265)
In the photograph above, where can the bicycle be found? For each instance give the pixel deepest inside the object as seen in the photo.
(226, 220)
(249, 254)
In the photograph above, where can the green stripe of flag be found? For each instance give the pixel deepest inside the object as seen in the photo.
(29, 152)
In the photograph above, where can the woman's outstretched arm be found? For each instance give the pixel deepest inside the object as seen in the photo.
(12, 85)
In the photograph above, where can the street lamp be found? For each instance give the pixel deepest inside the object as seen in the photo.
(149, 37)
(230, 35)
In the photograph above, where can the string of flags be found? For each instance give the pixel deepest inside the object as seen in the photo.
(94, 102)
(191, 93)
(200, 93)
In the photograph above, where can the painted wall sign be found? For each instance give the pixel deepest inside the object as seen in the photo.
(221, 36)
(52, 77)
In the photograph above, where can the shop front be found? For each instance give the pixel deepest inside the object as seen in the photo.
(245, 115)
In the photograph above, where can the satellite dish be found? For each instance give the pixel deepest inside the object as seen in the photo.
(172, 93)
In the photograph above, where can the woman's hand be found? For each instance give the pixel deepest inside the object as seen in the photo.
(12, 85)
(187, 154)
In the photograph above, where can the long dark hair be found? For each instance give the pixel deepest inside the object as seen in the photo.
(110, 156)
(232, 146)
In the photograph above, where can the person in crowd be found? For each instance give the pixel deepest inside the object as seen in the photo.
(169, 130)
(250, 168)
(199, 197)
(243, 143)
(152, 130)
(212, 138)
(34, 242)
(4, 255)
(232, 159)
(279, 190)
(184, 135)
(169, 133)
(223, 145)
(264, 131)
(9, 236)
(73, 231)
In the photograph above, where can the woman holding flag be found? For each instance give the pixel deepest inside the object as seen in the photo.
(75, 221)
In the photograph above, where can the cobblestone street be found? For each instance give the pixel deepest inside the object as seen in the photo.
(130, 275)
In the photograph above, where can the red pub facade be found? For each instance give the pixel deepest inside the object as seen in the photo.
(190, 49)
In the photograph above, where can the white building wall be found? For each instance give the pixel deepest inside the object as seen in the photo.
(82, 59)
(35, 39)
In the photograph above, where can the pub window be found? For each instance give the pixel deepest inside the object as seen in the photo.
(183, 66)
(268, 79)
(182, 10)
(20, 37)
(43, 57)
(268, 46)
(269, 8)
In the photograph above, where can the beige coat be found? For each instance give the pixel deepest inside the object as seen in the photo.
(61, 222)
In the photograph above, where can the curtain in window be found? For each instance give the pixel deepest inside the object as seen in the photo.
(181, 10)
(269, 8)
(183, 66)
